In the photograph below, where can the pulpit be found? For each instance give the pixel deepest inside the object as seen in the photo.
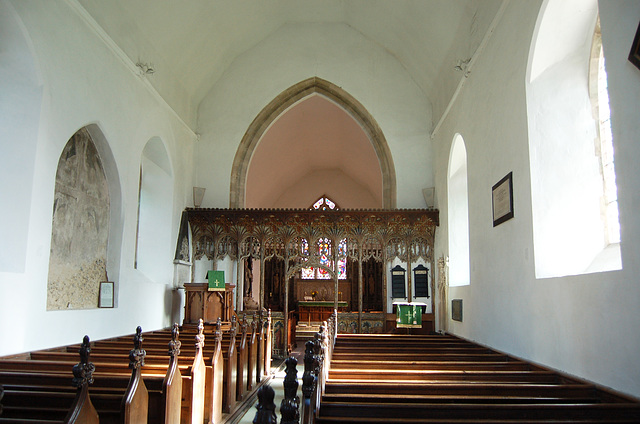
(209, 305)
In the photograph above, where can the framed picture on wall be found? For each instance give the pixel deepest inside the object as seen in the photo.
(105, 299)
(502, 200)
(634, 54)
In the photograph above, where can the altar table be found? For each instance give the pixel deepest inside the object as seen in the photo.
(318, 311)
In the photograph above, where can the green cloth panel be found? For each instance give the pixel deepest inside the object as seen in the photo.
(216, 280)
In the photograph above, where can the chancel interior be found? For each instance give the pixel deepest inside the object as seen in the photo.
(475, 159)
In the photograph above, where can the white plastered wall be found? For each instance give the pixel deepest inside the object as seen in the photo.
(583, 325)
(85, 83)
(338, 54)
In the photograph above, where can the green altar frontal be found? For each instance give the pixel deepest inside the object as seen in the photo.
(409, 315)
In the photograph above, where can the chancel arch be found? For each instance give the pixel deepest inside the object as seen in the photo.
(280, 108)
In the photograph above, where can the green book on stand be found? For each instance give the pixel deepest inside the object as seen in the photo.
(216, 280)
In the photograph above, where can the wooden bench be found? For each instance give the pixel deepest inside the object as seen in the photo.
(196, 373)
(438, 379)
(41, 392)
(116, 378)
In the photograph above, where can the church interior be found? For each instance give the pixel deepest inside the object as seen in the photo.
(473, 158)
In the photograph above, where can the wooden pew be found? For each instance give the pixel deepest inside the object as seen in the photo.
(187, 381)
(242, 360)
(438, 379)
(35, 401)
(120, 385)
(230, 360)
(252, 354)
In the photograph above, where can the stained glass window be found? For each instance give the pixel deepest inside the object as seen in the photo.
(324, 203)
(324, 250)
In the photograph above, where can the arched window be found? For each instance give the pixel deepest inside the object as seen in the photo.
(604, 142)
(458, 214)
(155, 210)
(324, 203)
(573, 192)
(324, 249)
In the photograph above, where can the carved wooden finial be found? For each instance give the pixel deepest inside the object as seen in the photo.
(137, 354)
(175, 343)
(83, 370)
(200, 335)
(266, 413)
(218, 331)
(307, 377)
(289, 407)
(317, 354)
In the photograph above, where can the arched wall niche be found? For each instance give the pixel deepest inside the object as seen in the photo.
(86, 222)
(155, 210)
(287, 99)
(116, 211)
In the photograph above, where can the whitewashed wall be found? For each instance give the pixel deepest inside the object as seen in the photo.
(584, 325)
(333, 52)
(82, 82)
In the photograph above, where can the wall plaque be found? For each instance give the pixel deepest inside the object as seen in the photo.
(397, 282)
(421, 281)
(456, 310)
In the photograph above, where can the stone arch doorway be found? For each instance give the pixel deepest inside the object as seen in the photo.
(291, 97)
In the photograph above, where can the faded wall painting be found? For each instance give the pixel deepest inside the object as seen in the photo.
(80, 227)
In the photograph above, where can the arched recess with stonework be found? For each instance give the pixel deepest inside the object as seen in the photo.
(86, 222)
(289, 98)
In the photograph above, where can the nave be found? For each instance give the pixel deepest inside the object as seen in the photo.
(346, 378)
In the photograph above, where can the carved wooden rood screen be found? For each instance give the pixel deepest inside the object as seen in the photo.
(261, 235)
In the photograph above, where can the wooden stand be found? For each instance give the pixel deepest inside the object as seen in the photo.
(208, 305)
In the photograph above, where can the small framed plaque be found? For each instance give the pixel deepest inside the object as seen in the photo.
(502, 200)
(105, 298)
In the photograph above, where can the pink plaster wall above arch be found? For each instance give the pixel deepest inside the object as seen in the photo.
(313, 129)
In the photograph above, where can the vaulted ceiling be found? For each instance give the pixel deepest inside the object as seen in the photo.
(191, 43)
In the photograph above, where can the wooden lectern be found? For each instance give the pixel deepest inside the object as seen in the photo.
(208, 305)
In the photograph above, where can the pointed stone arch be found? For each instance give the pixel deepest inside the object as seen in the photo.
(282, 103)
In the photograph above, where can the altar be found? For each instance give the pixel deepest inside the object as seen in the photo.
(317, 311)
(409, 314)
